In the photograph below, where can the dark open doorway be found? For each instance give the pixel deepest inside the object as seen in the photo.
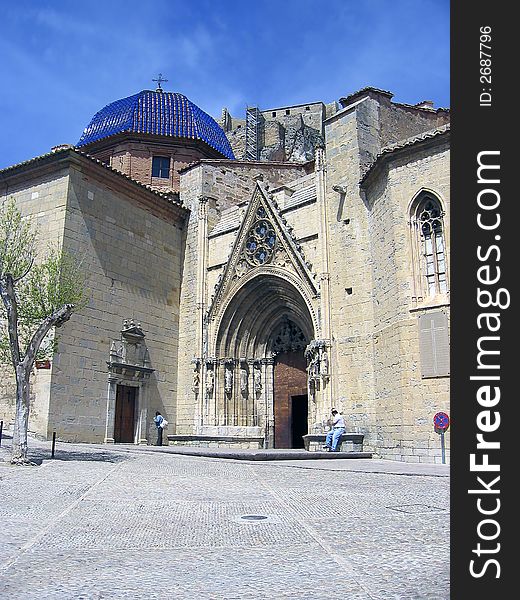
(124, 425)
(299, 419)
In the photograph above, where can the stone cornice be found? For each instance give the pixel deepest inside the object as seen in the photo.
(244, 163)
(175, 143)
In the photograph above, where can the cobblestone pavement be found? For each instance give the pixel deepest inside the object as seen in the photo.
(98, 523)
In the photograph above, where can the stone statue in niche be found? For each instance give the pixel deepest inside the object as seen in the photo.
(196, 380)
(257, 378)
(314, 367)
(311, 387)
(228, 380)
(243, 380)
(210, 381)
(324, 364)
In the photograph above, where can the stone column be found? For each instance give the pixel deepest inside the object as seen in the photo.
(269, 401)
(142, 425)
(111, 409)
(325, 302)
(230, 392)
(208, 391)
(244, 385)
(200, 332)
(254, 393)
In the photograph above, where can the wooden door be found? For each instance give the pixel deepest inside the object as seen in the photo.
(124, 425)
(290, 379)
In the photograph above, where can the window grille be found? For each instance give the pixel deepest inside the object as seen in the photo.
(429, 248)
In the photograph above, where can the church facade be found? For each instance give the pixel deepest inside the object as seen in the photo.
(248, 275)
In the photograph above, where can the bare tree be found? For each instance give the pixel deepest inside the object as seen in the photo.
(37, 297)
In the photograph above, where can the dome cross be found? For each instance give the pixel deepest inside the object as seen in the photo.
(159, 80)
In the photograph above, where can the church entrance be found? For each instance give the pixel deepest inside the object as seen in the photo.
(256, 384)
(124, 424)
(300, 419)
(290, 400)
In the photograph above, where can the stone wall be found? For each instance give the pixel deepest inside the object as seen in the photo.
(132, 260)
(43, 199)
(406, 402)
(375, 354)
(399, 121)
(351, 285)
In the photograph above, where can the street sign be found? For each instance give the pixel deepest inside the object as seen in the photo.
(441, 421)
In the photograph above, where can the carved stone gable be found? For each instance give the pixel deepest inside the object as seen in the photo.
(264, 241)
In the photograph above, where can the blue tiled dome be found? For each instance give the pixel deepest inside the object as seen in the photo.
(158, 113)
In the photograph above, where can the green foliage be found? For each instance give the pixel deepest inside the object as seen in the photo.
(17, 242)
(50, 284)
(41, 287)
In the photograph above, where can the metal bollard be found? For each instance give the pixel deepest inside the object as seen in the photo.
(1, 429)
(53, 443)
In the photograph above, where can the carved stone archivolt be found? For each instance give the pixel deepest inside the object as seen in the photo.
(289, 338)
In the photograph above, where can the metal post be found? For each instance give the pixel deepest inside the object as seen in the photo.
(53, 443)
(1, 429)
(442, 448)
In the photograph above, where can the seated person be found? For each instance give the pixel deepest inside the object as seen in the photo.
(333, 438)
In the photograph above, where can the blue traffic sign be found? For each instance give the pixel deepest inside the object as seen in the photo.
(441, 421)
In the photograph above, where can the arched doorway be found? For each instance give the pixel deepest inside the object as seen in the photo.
(259, 369)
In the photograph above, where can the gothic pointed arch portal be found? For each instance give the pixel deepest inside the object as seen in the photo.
(259, 366)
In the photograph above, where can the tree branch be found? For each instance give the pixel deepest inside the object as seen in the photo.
(56, 319)
(26, 272)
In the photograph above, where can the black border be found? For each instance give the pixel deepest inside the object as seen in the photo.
(478, 128)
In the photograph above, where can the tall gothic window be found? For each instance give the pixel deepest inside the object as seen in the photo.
(429, 247)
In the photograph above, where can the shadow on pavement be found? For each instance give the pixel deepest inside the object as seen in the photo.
(39, 456)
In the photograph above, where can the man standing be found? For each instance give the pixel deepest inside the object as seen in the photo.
(332, 440)
(158, 419)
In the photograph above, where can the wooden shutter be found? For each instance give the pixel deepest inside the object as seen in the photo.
(434, 344)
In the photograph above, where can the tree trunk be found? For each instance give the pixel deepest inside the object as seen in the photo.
(23, 372)
(21, 421)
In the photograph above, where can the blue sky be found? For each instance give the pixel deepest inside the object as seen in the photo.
(62, 61)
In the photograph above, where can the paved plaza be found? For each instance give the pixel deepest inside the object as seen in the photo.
(130, 522)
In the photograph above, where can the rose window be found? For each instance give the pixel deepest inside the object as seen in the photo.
(260, 241)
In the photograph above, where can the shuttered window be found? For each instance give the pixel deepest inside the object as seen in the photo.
(434, 344)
